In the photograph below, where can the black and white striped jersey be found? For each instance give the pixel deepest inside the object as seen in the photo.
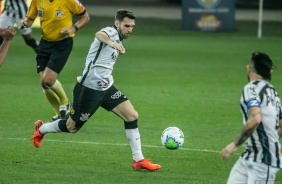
(100, 62)
(15, 9)
(263, 145)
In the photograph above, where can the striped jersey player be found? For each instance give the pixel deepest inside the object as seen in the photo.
(263, 145)
(13, 12)
(262, 118)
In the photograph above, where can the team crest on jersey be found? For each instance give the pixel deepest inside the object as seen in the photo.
(59, 13)
(84, 117)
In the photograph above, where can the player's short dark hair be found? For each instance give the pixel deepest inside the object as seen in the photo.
(262, 64)
(122, 13)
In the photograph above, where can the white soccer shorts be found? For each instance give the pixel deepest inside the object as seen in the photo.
(249, 172)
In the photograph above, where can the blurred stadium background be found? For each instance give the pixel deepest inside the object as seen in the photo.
(171, 9)
(192, 80)
(271, 4)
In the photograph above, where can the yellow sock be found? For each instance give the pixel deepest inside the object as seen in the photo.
(59, 91)
(53, 100)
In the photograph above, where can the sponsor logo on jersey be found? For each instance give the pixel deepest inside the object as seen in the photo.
(59, 13)
(84, 117)
(102, 84)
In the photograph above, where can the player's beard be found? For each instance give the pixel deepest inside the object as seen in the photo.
(123, 36)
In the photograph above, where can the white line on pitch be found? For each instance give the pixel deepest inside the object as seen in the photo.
(111, 144)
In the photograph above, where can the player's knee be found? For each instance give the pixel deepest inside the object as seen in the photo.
(132, 116)
(47, 82)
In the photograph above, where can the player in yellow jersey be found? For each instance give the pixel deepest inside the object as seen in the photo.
(55, 45)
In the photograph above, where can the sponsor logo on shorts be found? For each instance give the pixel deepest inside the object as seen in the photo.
(117, 95)
(72, 111)
(84, 117)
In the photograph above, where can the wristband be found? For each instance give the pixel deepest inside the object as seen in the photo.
(76, 28)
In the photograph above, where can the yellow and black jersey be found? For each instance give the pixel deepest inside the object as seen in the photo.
(54, 15)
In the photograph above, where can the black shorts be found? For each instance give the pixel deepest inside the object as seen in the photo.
(53, 55)
(86, 101)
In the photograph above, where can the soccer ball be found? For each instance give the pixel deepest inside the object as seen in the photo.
(172, 138)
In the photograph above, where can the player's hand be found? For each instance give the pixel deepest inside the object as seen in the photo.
(228, 151)
(67, 32)
(117, 46)
(23, 24)
(122, 51)
(8, 33)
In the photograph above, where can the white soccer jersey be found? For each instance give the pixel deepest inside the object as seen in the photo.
(15, 8)
(13, 12)
(263, 146)
(100, 61)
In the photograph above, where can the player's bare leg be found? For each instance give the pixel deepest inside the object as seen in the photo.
(55, 93)
(127, 112)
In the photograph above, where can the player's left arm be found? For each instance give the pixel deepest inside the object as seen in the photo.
(76, 8)
(82, 21)
(251, 125)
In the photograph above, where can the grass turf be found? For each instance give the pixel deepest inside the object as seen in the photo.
(192, 80)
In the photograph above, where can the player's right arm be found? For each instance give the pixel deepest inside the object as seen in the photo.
(103, 37)
(27, 22)
(30, 16)
(253, 102)
(251, 125)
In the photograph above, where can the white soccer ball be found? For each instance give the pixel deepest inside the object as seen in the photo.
(172, 138)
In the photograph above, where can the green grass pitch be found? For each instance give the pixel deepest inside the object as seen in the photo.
(192, 80)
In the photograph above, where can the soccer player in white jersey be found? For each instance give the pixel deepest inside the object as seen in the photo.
(13, 12)
(262, 119)
(95, 89)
